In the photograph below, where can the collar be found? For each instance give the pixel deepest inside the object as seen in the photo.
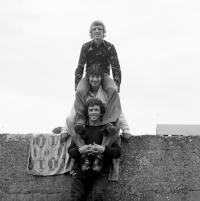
(102, 43)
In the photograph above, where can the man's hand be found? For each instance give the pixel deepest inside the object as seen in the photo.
(85, 149)
(126, 137)
(97, 149)
(63, 137)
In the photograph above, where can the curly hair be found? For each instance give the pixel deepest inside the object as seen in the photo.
(93, 102)
(97, 23)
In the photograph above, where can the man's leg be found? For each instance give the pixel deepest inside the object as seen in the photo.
(82, 89)
(109, 83)
(83, 86)
(79, 105)
(98, 189)
(114, 170)
(113, 109)
(75, 137)
(78, 189)
(108, 140)
(126, 133)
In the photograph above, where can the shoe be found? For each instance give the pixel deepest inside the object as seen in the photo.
(110, 129)
(79, 128)
(85, 163)
(97, 163)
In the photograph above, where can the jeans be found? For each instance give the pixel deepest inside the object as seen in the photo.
(88, 189)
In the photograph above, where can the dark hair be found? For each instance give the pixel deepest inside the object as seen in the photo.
(97, 23)
(93, 102)
(95, 69)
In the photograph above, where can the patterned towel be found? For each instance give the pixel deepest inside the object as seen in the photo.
(47, 156)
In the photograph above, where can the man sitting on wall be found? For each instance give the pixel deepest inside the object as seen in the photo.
(91, 183)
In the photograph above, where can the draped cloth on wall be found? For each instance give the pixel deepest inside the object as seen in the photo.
(48, 156)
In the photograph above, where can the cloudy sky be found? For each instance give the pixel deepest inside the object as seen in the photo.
(158, 46)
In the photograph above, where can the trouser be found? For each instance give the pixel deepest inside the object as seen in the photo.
(88, 189)
(113, 106)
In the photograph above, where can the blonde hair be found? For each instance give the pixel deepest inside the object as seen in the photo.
(97, 23)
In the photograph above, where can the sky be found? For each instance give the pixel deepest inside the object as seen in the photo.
(157, 42)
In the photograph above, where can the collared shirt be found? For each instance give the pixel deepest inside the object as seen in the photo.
(105, 54)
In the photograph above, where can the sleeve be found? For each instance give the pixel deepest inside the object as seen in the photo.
(116, 71)
(113, 151)
(80, 68)
(73, 151)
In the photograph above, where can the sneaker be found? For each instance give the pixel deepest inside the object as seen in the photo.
(110, 129)
(97, 163)
(85, 163)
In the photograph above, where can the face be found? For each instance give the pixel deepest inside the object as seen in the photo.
(94, 113)
(97, 32)
(95, 81)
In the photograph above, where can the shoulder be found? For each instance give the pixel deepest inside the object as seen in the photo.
(109, 45)
(87, 44)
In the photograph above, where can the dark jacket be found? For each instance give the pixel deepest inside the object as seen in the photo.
(105, 54)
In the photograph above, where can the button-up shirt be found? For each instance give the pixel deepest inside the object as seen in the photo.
(105, 54)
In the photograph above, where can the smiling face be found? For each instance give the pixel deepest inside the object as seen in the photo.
(97, 32)
(94, 113)
(95, 81)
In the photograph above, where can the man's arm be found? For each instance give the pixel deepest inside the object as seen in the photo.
(116, 71)
(124, 123)
(76, 152)
(113, 151)
(73, 150)
(80, 68)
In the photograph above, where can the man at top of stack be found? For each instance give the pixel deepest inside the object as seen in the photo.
(97, 51)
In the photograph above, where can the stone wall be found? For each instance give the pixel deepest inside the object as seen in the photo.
(153, 168)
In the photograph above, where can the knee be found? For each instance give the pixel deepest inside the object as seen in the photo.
(69, 121)
(112, 90)
(83, 86)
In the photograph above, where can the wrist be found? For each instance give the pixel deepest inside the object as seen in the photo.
(80, 150)
(103, 148)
